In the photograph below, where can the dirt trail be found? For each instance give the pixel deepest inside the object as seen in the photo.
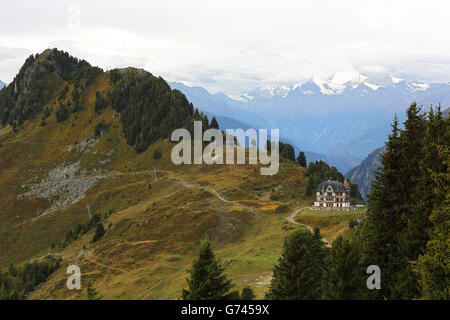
(214, 192)
(291, 219)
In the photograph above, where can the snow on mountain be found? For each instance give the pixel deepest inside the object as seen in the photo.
(419, 86)
(395, 80)
(328, 87)
(333, 85)
(2, 84)
(346, 115)
(337, 84)
(344, 76)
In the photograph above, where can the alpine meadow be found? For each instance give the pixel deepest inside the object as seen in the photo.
(242, 154)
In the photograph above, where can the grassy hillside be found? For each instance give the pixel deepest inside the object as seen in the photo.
(50, 172)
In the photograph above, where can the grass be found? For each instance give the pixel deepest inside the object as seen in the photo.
(331, 223)
(154, 233)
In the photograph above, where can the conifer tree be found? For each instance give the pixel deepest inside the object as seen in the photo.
(99, 232)
(301, 159)
(401, 202)
(343, 279)
(378, 234)
(214, 123)
(206, 278)
(298, 274)
(247, 294)
(433, 266)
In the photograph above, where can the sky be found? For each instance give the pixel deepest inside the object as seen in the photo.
(234, 46)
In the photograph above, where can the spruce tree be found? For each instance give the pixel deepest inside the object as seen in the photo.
(433, 266)
(299, 272)
(99, 232)
(214, 124)
(343, 279)
(247, 294)
(206, 278)
(301, 159)
(401, 201)
(379, 233)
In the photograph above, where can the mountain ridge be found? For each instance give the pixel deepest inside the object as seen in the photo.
(351, 121)
(363, 174)
(218, 105)
(72, 159)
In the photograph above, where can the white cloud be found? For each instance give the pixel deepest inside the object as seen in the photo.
(236, 45)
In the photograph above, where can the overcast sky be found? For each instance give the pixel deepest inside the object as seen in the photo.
(234, 46)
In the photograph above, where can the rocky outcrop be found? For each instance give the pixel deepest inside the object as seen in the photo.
(63, 186)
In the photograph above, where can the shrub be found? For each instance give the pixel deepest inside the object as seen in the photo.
(157, 154)
(281, 208)
(99, 232)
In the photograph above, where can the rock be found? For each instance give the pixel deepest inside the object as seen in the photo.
(64, 184)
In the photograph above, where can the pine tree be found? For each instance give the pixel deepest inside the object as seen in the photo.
(401, 201)
(214, 123)
(206, 278)
(301, 159)
(286, 151)
(247, 294)
(379, 233)
(299, 272)
(343, 279)
(433, 266)
(99, 232)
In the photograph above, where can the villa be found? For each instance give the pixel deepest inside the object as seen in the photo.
(333, 195)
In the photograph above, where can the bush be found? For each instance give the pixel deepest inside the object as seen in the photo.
(281, 208)
(247, 294)
(352, 223)
(62, 114)
(99, 232)
(157, 154)
(101, 128)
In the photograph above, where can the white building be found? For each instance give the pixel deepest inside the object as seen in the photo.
(333, 195)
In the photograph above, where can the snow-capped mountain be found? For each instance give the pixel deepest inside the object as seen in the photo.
(346, 115)
(2, 84)
(338, 84)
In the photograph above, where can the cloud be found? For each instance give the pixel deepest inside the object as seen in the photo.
(235, 45)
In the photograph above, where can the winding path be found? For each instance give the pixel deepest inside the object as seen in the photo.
(291, 219)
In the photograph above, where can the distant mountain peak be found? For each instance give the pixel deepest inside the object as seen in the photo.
(348, 75)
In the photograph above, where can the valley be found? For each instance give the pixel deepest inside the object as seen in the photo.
(55, 177)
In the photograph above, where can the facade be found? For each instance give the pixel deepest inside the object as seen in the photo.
(332, 195)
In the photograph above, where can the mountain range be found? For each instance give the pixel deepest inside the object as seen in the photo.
(345, 116)
(227, 112)
(2, 84)
(83, 150)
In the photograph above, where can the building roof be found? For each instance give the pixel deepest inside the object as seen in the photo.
(336, 185)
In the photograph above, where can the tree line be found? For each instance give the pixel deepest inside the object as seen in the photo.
(405, 231)
(17, 282)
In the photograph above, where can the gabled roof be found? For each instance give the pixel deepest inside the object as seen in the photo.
(336, 185)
